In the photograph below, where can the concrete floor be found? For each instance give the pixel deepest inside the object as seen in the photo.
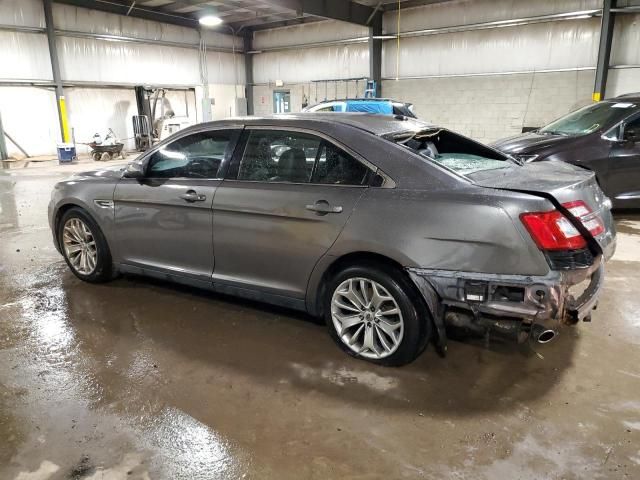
(140, 379)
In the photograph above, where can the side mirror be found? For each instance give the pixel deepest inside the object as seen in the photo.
(134, 169)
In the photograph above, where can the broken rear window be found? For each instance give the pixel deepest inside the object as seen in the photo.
(453, 151)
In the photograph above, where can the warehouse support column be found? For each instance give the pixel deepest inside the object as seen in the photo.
(3, 144)
(604, 50)
(55, 67)
(248, 69)
(375, 52)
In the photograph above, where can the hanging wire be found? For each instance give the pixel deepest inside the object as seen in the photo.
(234, 33)
(398, 45)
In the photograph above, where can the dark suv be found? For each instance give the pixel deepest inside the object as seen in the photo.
(603, 137)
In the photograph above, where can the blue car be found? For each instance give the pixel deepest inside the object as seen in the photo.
(384, 106)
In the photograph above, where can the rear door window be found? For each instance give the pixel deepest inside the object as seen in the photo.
(278, 156)
(297, 157)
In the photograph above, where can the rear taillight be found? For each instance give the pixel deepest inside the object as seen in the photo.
(582, 212)
(553, 231)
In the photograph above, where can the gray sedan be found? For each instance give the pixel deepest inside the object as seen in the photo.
(394, 231)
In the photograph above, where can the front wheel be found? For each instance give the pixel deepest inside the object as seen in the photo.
(84, 247)
(373, 312)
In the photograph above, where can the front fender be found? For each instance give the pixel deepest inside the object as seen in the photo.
(96, 198)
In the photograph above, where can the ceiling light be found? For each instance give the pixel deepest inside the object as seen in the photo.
(210, 21)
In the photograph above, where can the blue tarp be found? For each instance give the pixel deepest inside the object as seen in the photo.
(384, 108)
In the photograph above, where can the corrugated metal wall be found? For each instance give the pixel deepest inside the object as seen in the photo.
(487, 81)
(305, 64)
(327, 31)
(541, 46)
(293, 66)
(92, 62)
(543, 69)
(468, 12)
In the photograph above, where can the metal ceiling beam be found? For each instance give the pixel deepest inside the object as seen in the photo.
(604, 49)
(122, 8)
(411, 4)
(256, 26)
(344, 10)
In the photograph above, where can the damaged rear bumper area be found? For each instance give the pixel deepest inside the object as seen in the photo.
(522, 307)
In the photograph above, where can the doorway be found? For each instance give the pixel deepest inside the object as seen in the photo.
(281, 101)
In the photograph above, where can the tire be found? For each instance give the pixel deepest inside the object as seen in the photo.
(101, 269)
(397, 339)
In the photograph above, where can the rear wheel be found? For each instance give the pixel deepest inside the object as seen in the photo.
(372, 312)
(84, 247)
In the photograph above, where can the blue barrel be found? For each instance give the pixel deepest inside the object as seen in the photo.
(66, 152)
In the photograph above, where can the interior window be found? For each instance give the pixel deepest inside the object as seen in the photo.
(632, 130)
(336, 167)
(279, 156)
(194, 156)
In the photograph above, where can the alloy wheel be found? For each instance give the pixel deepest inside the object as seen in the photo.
(367, 318)
(79, 246)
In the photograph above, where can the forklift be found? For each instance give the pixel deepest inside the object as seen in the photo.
(149, 130)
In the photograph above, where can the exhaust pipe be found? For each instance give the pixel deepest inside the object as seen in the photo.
(463, 321)
(542, 335)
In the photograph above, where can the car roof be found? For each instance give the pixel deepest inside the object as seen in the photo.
(635, 96)
(372, 123)
(362, 99)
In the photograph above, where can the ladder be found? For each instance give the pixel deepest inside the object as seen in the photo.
(370, 89)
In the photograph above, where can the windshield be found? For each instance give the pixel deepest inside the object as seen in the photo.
(590, 118)
(453, 151)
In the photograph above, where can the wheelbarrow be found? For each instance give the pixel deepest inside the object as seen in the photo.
(104, 153)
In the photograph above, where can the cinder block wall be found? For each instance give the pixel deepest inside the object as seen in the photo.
(623, 81)
(487, 108)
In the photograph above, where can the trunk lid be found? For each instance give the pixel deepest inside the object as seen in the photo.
(564, 182)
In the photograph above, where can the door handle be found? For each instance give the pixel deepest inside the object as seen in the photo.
(322, 207)
(192, 196)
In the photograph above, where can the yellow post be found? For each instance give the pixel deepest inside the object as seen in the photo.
(596, 96)
(64, 122)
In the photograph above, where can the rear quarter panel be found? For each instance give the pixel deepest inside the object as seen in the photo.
(471, 230)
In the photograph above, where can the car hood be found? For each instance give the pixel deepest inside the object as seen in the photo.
(108, 173)
(528, 142)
